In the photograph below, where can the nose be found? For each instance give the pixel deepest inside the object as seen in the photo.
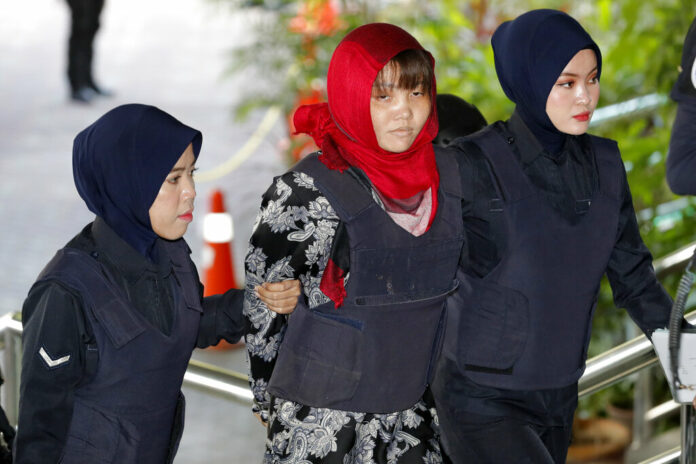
(403, 107)
(188, 191)
(583, 96)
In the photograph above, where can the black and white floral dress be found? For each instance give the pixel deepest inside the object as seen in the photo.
(292, 239)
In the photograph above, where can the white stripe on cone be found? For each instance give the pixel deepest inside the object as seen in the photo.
(218, 228)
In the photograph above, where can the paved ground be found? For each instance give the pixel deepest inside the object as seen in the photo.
(173, 55)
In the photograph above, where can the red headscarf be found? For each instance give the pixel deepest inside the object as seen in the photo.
(343, 127)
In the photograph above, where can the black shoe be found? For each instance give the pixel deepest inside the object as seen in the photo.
(83, 95)
(101, 91)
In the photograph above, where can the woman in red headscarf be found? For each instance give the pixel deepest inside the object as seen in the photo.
(371, 226)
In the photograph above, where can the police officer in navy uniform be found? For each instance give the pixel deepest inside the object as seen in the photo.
(681, 159)
(548, 211)
(110, 324)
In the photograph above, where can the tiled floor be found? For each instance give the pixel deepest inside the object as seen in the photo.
(173, 55)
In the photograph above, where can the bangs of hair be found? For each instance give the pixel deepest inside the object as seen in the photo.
(414, 69)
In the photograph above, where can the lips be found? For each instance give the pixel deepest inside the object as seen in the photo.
(402, 132)
(582, 116)
(187, 216)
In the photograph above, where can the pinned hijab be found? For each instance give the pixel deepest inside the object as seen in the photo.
(120, 163)
(343, 127)
(530, 53)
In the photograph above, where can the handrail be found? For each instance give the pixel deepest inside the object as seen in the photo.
(668, 457)
(219, 381)
(674, 261)
(628, 108)
(601, 371)
(612, 366)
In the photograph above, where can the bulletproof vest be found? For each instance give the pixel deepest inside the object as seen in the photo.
(526, 325)
(126, 411)
(375, 353)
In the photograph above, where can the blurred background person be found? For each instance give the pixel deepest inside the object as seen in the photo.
(84, 24)
(681, 159)
(457, 118)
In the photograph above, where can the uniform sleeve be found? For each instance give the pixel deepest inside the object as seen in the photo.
(54, 345)
(631, 274)
(222, 318)
(292, 239)
(681, 159)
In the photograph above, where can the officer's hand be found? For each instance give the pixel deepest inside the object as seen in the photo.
(686, 83)
(280, 297)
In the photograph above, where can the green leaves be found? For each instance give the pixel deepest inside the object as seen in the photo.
(640, 42)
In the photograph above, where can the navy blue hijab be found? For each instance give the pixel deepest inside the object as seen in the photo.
(530, 53)
(120, 163)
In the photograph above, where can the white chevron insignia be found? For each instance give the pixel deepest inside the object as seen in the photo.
(53, 362)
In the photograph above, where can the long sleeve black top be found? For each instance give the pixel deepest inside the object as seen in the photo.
(568, 181)
(681, 159)
(53, 320)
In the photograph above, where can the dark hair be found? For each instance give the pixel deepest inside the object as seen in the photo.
(457, 118)
(414, 68)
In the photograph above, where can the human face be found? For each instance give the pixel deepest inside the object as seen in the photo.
(172, 210)
(398, 115)
(574, 96)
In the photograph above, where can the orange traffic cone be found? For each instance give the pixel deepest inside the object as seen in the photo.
(218, 233)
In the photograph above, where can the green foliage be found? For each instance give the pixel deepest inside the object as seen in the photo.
(641, 45)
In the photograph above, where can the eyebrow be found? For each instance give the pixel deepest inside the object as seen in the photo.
(181, 168)
(577, 75)
(383, 85)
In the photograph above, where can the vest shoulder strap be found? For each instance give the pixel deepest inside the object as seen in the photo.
(609, 165)
(450, 180)
(504, 165)
(346, 195)
(84, 275)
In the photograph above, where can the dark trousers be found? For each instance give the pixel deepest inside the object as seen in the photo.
(486, 425)
(84, 26)
(472, 438)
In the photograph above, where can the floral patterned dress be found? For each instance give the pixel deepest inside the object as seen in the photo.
(292, 239)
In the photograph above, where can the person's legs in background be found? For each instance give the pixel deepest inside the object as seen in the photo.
(84, 26)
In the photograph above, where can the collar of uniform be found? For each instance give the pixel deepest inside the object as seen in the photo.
(528, 146)
(124, 257)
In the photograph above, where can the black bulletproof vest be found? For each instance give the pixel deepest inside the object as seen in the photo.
(526, 325)
(376, 352)
(126, 412)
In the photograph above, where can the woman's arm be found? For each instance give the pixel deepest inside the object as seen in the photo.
(681, 159)
(291, 240)
(53, 364)
(222, 314)
(222, 318)
(631, 274)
